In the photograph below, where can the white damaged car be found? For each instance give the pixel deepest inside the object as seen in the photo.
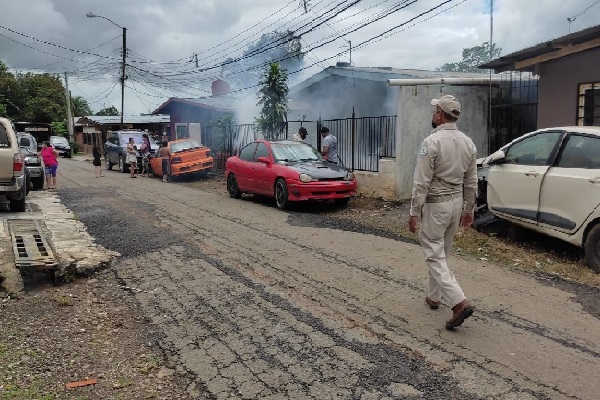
(548, 181)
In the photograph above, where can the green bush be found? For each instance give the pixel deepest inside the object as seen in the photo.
(74, 147)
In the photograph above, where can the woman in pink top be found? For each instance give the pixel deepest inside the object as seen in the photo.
(49, 156)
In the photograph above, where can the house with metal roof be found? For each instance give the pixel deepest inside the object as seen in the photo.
(92, 130)
(338, 90)
(568, 70)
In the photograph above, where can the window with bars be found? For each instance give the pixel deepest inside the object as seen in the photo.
(589, 104)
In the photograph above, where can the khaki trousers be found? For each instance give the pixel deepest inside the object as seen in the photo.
(439, 223)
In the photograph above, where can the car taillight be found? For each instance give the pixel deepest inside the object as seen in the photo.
(176, 160)
(18, 163)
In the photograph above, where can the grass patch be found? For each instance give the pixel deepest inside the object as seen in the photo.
(151, 364)
(63, 300)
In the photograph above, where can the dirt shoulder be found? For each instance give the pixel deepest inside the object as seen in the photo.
(89, 329)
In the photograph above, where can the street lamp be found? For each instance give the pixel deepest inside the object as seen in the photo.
(124, 54)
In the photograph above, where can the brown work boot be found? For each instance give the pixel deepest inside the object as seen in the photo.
(434, 305)
(460, 312)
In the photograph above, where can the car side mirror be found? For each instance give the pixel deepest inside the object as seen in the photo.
(498, 157)
(264, 160)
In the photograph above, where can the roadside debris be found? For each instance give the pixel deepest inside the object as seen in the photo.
(88, 382)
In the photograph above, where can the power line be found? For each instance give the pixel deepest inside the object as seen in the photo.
(50, 43)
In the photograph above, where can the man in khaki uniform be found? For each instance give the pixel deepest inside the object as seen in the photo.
(443, 196)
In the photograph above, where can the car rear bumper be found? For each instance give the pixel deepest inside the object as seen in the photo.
(14, 186)
(191, 167)
(331, 190)
(35, 171)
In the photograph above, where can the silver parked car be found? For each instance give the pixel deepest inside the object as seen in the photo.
(549, 181)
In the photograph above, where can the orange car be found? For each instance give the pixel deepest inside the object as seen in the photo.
(187, 157)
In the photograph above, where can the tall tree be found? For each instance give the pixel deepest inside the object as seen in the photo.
(80, 107)
(112, 111)
(273, 99)
(473, 57)
(284, 48)
(9, 93)
(44, 97)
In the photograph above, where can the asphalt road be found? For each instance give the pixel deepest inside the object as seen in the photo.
(252, 302)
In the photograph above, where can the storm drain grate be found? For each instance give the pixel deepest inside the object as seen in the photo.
(29, 245)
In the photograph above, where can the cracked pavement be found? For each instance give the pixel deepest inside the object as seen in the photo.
(251, 302)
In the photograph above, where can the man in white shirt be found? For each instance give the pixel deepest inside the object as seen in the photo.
(329, 146)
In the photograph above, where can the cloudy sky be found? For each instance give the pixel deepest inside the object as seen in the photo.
(163, 35)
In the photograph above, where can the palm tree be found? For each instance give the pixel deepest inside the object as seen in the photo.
(80, 107)
(273, 99)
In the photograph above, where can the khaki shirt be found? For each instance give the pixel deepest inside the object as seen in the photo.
(446, 164)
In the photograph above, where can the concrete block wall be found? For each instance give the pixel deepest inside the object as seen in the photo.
(414, 124)
(380, 184)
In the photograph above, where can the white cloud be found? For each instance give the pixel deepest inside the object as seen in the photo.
(175, 29)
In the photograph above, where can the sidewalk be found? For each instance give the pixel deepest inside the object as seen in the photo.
(74, 250)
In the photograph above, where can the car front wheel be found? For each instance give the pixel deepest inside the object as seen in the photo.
(232, 187)
(281, 194)
(592, 249)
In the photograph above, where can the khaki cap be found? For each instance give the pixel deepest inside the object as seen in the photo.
(448, 104)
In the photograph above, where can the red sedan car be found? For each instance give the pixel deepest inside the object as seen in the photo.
(288, 171)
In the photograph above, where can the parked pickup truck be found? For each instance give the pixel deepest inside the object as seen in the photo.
(13, 184)
(115, 148)
(33, 162)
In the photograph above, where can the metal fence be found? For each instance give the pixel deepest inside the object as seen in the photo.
(514, 109)
(361, 141)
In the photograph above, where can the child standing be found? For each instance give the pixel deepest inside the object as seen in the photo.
(97, 163)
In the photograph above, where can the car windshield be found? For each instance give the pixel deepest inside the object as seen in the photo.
(184, 145)
(294, 152)
(61, 141)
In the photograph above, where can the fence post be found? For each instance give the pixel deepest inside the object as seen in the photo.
(353, 136)
(319, 124)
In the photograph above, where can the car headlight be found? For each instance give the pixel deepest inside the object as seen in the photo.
(350, 176)
(305, 178)
(30, 160)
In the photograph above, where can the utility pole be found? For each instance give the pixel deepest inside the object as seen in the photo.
(69, 116)
(123, 74)
(350, 45)
(305, 7)
(196, 59)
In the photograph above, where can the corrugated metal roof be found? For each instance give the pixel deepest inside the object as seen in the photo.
(128, 119)
(379, 74)
(507, 62)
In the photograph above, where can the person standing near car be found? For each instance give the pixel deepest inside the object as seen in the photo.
(165, 155)
(96, 162)
(329, 146)
(132, 157)
(301, 135)
(50, 158)
(443, 196)
(145, 153)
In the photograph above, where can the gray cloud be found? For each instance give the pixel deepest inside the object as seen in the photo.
(175, 29)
